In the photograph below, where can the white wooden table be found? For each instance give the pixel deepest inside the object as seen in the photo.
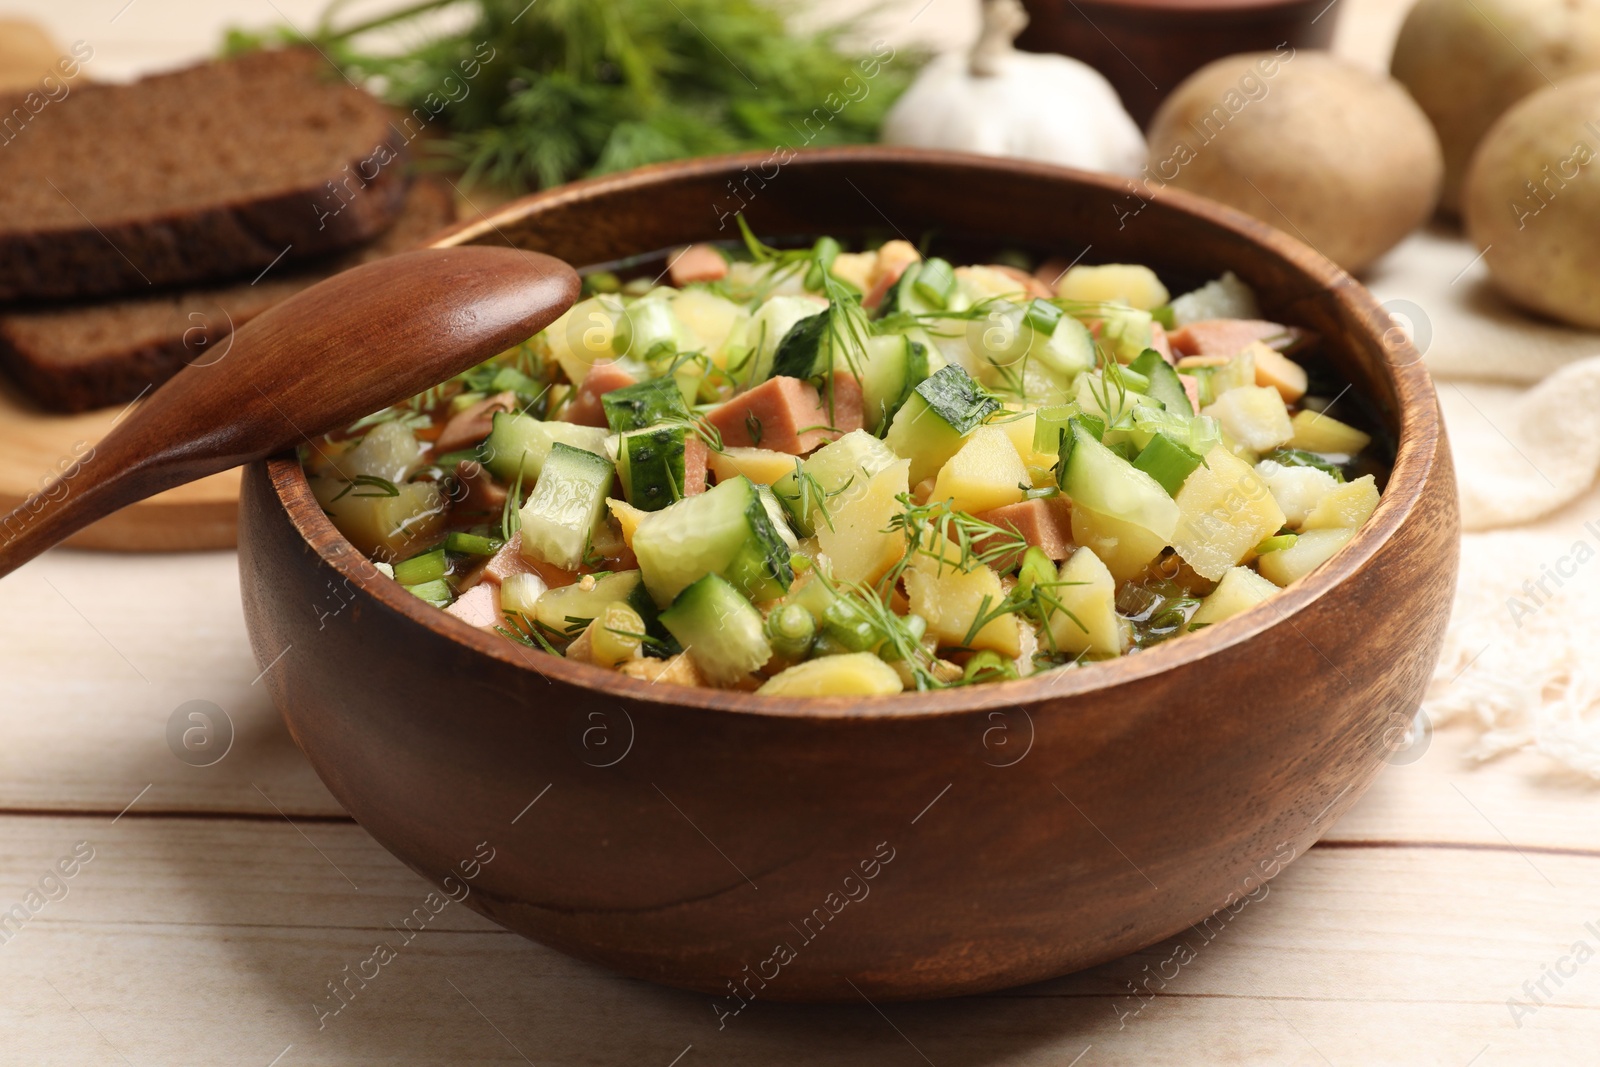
(220, 901)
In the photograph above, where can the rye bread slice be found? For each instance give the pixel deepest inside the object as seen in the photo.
(202, 174)
(81, 356)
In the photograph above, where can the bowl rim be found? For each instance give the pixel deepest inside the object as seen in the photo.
(1416, 410)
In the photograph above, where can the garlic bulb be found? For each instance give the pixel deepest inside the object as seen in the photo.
(997, 101)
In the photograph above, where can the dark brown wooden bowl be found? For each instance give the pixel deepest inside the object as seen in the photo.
(909, 846)
(1146, 48)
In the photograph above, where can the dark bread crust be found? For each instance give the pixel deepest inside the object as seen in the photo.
(330, 175)
(77, 357)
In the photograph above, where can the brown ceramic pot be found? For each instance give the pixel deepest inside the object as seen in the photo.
(911, 846)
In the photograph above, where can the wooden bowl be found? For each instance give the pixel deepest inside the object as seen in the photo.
(910, 846)
(1145, 48)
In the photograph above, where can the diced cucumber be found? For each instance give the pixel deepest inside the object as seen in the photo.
(767, 329)
(568, 609)
(725, 530)
(436, 592)
(646, 403)
(650, 465)
(719, 629)
(894, 366)
(829, 477)
(935, 282)
(649, 325)
(1214, 381)
(1070, 351)
(565, 505)
(1124, 331)
(1164, 384)
(521, 442)
(942, 410)
(804, 351)
(1105, 482)
(1167, 461)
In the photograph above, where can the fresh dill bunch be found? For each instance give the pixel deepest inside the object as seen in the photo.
(529, 95)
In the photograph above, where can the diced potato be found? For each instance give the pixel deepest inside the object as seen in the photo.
(1114, 283)
(986, 473)
(679, 670)
(584, 335)
(760, 465)
(1277, 371)
(1298, 490)
(385, 527)
(389, 451)
(1091, 597)
(1347, 507)
(1309, 551)
(980, 282)
(1239, 589)
(950, 599)
(1316, 432)
(1019, 426)
(859, 543)
(628, 517)
(1254, 416)
(1125, 548)
(855, 674)
(1225, 511)
(855, 268)
(712, 320)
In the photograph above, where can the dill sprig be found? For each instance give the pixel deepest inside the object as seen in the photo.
(531, 95)
(936, 528)
(899, 643)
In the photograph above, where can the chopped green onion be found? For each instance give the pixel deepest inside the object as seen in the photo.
(1037, 569)
(450, 460)
(470, 544)
(935, 283)
(1043, 316)
(1165, 316)
(791, 629)
(824, 253)
(844, 622)
(436, 592)
(1168, 462)
(1276, 543)
(1134, 381)
(988, 666)
(422, 569)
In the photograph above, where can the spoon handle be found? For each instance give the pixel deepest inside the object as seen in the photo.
(350, 345)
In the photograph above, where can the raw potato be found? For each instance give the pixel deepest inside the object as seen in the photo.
(1533, 201)
(1332, 154)
(1467, 61)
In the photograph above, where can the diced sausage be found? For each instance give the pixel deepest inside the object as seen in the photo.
(1160, 342)
(893, 259)
(1045, 523)
(478, 606)
(472, 425)
(788, 415)
(586, 409)
(1050, 271)
(479, 497)
(1227, 337)
(696, 458)
(1031, 285)
(507, 561)
(698, 263)
(1191, 386)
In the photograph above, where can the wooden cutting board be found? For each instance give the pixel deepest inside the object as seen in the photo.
(35, 445)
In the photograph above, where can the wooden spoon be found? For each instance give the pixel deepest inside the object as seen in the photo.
(348, 346)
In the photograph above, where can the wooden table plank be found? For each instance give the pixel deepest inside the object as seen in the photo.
(188, 940)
